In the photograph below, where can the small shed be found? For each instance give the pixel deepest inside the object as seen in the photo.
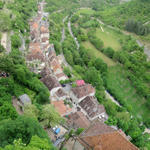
(24, 99)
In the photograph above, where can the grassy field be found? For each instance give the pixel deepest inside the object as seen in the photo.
(86, 11)
(122, 87)
(94, 52)
(109, 37)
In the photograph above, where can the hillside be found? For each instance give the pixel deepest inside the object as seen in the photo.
(134, 13)
(68, 67)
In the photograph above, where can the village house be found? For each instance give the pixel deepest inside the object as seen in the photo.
(100, 136)
(61, 76)
(44, 72)
(45, 48)
(35, 58)
(55, 64)
(78, 93)
(35, 52)
(78, 120)
(52, 84)
(60, 94)
(34, 34)
(44, 31)
(62, 109)
(92, 109)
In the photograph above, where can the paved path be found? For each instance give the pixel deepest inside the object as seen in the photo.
(71, 33)
(4, 40)
(22, 47)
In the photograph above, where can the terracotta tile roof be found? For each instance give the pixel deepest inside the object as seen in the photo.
(78, 120)
(61, 107)
(51, 82)
(84, 90)
(35, 25)
(55, 64)
(34, 46)
(35, 52)
(56, 67)
(102, 137)
(91, 106)
(44, 29)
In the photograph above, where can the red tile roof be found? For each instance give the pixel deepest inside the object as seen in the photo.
(35, 25)
(99, 136)
(44, 29)
(35, 52)
(61, 107)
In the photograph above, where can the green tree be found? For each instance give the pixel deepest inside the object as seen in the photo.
(7, 111)
(5, 22)
(67, 71)
(109, 52)
(15, 41)
(50, 116)
(36, 143)
(31, 111)
(23, 127)
(93, 76)
(1, 48)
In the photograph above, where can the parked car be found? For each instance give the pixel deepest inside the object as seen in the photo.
(56, 129)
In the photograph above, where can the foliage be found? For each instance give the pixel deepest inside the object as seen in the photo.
(79, 131)
(135, 13)
(98, 43)
(21, 12)
(50, 116)
(1, 4)
(15, 41)
(31, 111)
(5, 23)
(1, 48)
(137, 27)
(23, 128)
(109, 52)
(7, 111)
(93, 76)
(36, 143)
(67, 71)
(14, 64)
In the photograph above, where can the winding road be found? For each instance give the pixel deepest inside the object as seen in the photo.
(71, 33)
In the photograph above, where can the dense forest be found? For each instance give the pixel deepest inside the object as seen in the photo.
(20, 132)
